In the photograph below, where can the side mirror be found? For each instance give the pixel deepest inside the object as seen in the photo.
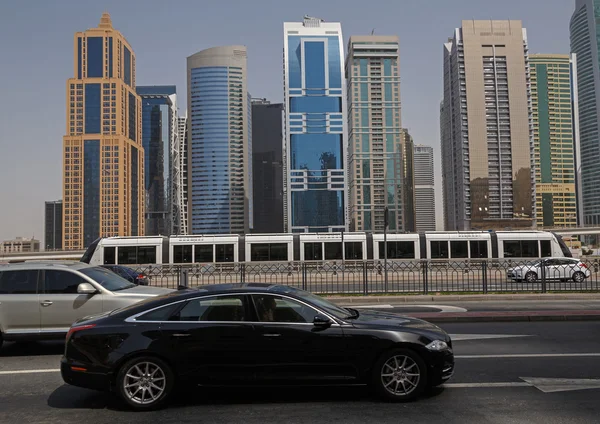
(86, 288)
(321, 321)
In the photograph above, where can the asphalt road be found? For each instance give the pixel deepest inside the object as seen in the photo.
(497, 380)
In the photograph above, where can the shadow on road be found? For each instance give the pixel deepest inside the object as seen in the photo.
(32, 348)
(69, 397)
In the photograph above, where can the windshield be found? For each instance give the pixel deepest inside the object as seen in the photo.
(318, 301)
(107, 279)
(534, 263)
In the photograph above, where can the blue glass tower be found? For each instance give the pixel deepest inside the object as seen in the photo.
(315, 195)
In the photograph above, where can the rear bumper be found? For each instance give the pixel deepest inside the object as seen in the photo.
(84, 379)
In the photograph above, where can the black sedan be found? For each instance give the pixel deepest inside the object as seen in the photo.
(252, 334)
(129, 274)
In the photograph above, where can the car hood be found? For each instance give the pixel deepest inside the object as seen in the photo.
(143, 291)
(369, 318)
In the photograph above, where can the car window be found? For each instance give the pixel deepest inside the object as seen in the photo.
(270, 308)
(160, 314)
(61, 282)
(107, 279)
(18, 282)
(218, 308)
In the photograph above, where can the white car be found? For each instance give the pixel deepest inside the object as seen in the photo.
(562, 269)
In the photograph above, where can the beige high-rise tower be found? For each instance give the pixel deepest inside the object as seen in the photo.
(103, 159)
(486, 128)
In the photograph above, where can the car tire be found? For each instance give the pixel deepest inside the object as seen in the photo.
(531, 277)
(142, 377)
(399, 375)
(578, 277)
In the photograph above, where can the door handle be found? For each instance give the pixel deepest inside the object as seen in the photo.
(46, 303)
(181, 335)
(271, 335)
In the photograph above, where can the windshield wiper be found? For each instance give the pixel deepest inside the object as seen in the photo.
(355, 313)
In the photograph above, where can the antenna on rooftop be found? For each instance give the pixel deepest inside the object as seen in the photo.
(373, 31)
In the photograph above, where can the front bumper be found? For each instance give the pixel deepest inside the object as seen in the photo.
(441, 367)
(85, 379)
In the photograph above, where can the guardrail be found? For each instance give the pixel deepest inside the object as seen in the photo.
(372, 277)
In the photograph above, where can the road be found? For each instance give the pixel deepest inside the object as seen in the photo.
(499, 378)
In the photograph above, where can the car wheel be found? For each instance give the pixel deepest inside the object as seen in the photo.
(531, 277)
(399, 375)
(145, 383)
(578, 277)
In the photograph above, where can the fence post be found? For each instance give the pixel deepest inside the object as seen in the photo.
(543, 268)
(303, 267)
(242, 272)
(183, 279)
(365, 279)
(484, 276)
(425, 267)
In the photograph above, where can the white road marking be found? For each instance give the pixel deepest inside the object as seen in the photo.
(529, 355)
(442, 308)
(456, 337)
(28, 371)
(471, 385)
(553, 385)
(372, 306)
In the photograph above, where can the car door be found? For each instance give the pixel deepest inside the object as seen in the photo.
(61, 305)
(290, 347)
(552, 269)
(211, 338)
(19, 303)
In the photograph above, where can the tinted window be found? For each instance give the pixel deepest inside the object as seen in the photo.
(333, 250)
(439, 249)
(546, 246)
(220, 308)
(182, 254)
(203, 253)
(353, 250)
(107, 279)
(95, 57)
(18, 282)
(459, 249)
(61, 282)
(137, 255)
(224, 252)
(160, 314)
(521, 249)
(479, 249)
(268, 252)
(397, 250)
(313, 252)
(278, 309)
(109, 255)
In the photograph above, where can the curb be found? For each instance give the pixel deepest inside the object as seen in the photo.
(378, 299)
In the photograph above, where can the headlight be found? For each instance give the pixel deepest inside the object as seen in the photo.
(437, 346)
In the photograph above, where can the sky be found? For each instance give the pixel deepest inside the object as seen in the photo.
(36, 47)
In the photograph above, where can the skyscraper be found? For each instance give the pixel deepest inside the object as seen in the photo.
(424, 189)
(315, 196)
(103, 174)
(160, 139)
(408, 181)
(267, 169)
(585, 35)
(556, 203)
(375, 146)
(182, 131)
(219, 142)
(487, 148)
(53, 225)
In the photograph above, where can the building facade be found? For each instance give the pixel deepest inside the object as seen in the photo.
(182, 131)
(219, 142)
(53, 225)
(585, 35)
(103, 159)
(20, 245)
(315, 152)
(487, 129)
(408, 181)
(375, 146)
(160, 138)
(267, 166)
(424, 189)
(556, 203)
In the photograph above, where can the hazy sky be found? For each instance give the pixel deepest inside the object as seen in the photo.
(36, 47)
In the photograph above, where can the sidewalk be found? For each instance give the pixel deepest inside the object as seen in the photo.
(481, 316)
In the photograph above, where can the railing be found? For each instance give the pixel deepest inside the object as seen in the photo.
(369, 277)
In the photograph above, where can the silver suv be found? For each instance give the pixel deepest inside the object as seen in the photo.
(40, 300)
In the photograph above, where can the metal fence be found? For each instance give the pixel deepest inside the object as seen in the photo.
(372, 277)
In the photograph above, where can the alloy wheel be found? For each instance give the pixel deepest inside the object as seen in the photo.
(400, 375)
(144, 383)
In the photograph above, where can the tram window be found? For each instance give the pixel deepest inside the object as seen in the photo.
(479, 249)
(268, 252)
(546, 248)
(224, 253)
(521, 249)
(313, 252)
(333, 250)
(459, 249)
(203, 253)
(439, 249)
(182, 254)
(353, 250)
(109, 256)
(137, 255)
(397, 250)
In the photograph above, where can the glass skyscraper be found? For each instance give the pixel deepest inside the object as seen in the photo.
(315, 195)
(161, 156)
(585, 36)
(103, 175)
(219, 142)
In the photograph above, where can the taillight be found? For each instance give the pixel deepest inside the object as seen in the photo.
(73, 330)
(141, 276)
(583, 265)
